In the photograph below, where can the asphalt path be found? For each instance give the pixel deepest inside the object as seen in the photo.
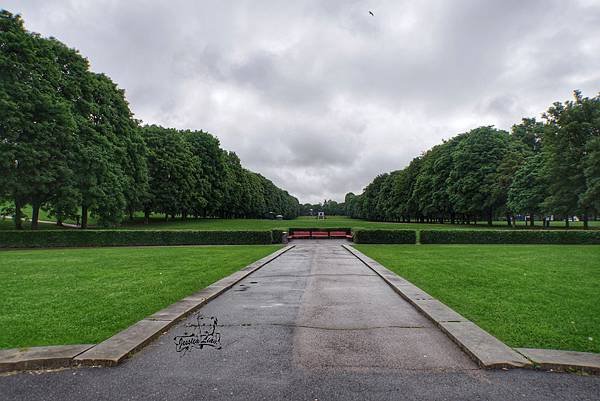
(315, 323)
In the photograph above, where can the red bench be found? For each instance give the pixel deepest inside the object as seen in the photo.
(300, 234)
(319, 234)
(340, 234)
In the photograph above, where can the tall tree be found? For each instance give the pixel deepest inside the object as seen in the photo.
(475, 169)
(36, 127)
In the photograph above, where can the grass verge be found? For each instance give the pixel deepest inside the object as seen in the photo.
(534, 296)
(78, 296)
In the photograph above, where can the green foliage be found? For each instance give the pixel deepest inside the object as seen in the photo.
(385, 236)
(540, 168)
(69, 145)
(94, 238)
(277, 236)
(509, 237)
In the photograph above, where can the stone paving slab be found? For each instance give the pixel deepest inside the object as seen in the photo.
(485, 349)
(438, 311)
(563, 360)
(55, 356)
(113, 350)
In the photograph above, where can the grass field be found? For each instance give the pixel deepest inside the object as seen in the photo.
(158, 223)
(78, 296)
(537, 296)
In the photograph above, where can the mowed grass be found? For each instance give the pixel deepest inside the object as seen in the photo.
(536, 296)
(311, 222)
(159, 223)
(80, 296)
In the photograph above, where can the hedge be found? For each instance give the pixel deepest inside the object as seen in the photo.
(277, 236)
(385, 236)
(509, 237)
(76, 238)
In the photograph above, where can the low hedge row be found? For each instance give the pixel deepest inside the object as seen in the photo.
(277, 236)
(385, 236)
(509, 237)
(76, 238)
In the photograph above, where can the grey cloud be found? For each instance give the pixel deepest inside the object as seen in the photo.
(318, 95)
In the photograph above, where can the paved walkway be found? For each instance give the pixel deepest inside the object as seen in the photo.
(313, 324)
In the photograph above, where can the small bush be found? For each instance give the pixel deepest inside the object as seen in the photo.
(94, 238)
(509, 237)
(385, 236)
(277, 236)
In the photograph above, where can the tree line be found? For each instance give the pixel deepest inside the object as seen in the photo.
(329, 207)
(538, 169)
(69, 144)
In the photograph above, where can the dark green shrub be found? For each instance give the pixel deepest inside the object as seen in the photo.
(277, 236)
(76, 238)
(385, 236)
(509, 237)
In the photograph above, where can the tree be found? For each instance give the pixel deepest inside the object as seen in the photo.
(570, 126)
(36, 128)
(528, 188)
(475, 168)
(171, 170)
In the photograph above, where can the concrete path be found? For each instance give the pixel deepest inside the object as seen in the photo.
(315, 323)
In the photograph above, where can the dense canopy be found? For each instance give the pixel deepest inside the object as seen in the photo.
(69, 144)
(541, 168)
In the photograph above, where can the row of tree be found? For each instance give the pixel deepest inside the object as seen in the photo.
(540, 168)
(329, 207)
(69, 144)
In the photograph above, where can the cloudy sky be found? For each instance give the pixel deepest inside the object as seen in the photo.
(320, 96)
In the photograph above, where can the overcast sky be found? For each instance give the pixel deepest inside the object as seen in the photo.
(320, 96)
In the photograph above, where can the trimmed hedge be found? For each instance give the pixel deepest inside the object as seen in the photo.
(94, 238)
(385, 236)
(277, 236)
(328, 229)
(509, 237)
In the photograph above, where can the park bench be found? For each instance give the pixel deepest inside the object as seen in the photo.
(340, 234)
(319, 234)
(300, 234)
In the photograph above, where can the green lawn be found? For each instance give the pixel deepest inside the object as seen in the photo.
(159, 223)
(77, 296)
(309, 222)
(537, 296)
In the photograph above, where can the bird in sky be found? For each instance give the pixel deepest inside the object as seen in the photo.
(371, 12)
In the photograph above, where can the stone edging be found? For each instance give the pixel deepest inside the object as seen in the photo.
(485, 349)
(115, 349)
(550, 359)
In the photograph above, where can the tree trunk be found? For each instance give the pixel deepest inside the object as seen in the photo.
(567, 222)
(35, 215)
(490, 218)
(146, 216)
(531, 219)
(509, 219)
(84, 216)
(18, 215)
(585, 221)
